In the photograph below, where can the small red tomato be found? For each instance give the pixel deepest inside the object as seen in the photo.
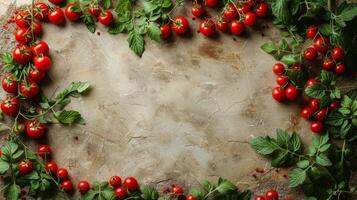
(310, 54)
(23, 19)
(176, 189)
(278, 94)
(310, 82)
(42, 63)
(44, 151)
(22, 54)
(40, 49)
(41, 11)
(236, 27)
(311, 31)
(106, 18)
(296, 66)
(51, 167)
(211, 3)
(56, 16)
(36, 28)
(262, 10)
(230, 11)
(291, 93)
(316, 127)
(207, 27)
(321, 44)
(334, 105)
(278, 69)
(73, 12)
(36, 75)
(249, 19)
(338, 54)
(83, 186)
(259, 197)
(67, 185)
(9, 84)
(29, 89)
(94, 9)
(340, 68)
(180, 25)
(131, 183)
(115, 181)
(190, 197)
(328, 64)
(56, 2)
(62, 173)
(35, 129)
(306, 113)
(321, 115)
(282, 80)
(165, 31)
(272, 195)
(197, 10)
(243, 8)
(23, 36)
(10, 106)
(314, 104)
(25, 166)
(121, 192)
(251, 3)
(222, 24)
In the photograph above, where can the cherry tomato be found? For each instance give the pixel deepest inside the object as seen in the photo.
(23, 36)
(56, 16)
(35, 129)
(9, 84)
(338, 54)
(306, 113)
(40, 49)
(278, 94)
(310, 54)
(282, 80)
(259, 197)
(29, 89)
(36, 28)
(44, 151)
(83, 187)
(10, 106)
(94, 9)
(131, 183)
(115, 181)
(272, 195)
(106, 18)
(236, 27)
(207, 27)
(243, 8)
(211, 3)
(321, 115)
(278, 69)
(340, 68)
(42, 63)
(190, 197)
(176, 189)
(314, 104)
(311, 31)
(262, 10)
(22, 54)
(328, 64)
(249, 19)
(25, 166)
(180, 25)
(56, 2)
(291, 93)
(73, 12)
(321, 44)
(296, 66)
(36, 75)
(197, 10)
(222, 24)
(67, 185)
(251, 3)
(41, 11)
(62, 173)
(165, 31)
(334, 105)
(23, 19)
(310, 82)
(121, 192)
(316, 127)
(230, 11)
(51, 167)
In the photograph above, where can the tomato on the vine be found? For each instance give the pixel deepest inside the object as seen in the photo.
(10, 106)
(121, 192)
(230, 11)
(338, 53)
(23, 19)
(94, 8)
(56, 2)
(282, 80)
(165, 31)
(243, 8)
(190, 197)
(106, 18)
(211, 3)
(197, 10)
(316, 127)
(328, 63)
(291, 92)
(73, 12)
(180, 25)
(236, 27)
(56, 16)
(62, 173)
(23, 36)
(310, 54)
(42, 63)
(176, 189)
(40, 11)
(115, 181)
(25, 166)
(51, 167)
(131, 183)
(272, 195)
(278, 94)
(67, 185)
(321, 114)
(40, 49)
(340, 68)
(207, 27)
(311, 31)
(278, 69)
(314, 104)
(259, 197)
(22, 54)
(310, 82)
(36, 75)
(36, 28)
(222, 24)
(334, 105)
(249, 19)
(29, 89)
(321, 44)
(83, 187)
(35, 129)
(44, 151)
(9, 84)
(306, 113)
(262, 10)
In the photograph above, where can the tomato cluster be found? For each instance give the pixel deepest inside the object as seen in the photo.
(271, 195)
(233, 18)
(286, 89)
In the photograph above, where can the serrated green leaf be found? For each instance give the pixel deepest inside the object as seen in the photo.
(154, 32)
(323, 160)
(290, 59)
(4, 166)
(264, 145)
(68, 116)
(296, 177)
(268, 47)
(303, 164)
(12, 192)
(148, 193)
(225, 187)
(136, 42)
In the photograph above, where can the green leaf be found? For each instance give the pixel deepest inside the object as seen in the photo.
(154, 32)
(280, 159)
(106, 4)
(245, 195)
(123, 7)
(136, 42)
(74, 89)
(68, 117)
(89, 22)
(325, 29)
(118, 27)
(280, 9)
(334, 119)
(12, 192)
(196, 193)
(264, 145)
(295, 142)
(7, 58)
(225, 187)
(346, 102)
(323, 160)
(327, 78)
(348, 13)
(296, 177)
(290, 59)
(282, 137)
(4, 166)
(149, 193)
(303, 164)
(207, 186)
(268, 47)
(315, 91)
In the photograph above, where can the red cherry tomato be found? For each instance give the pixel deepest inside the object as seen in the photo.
(317, 127)
(328, 64)
(67, 185)
(83, 187)
(291, 93)
(211, 3)
(259, 197)
(278, 94)
(42, 63)
(44, 151)
(40, 49)
(25, 166)
(321, 44)
(94, 9)
(314, 104)
(180, 25)
(321, 115)
(41, 11)
(334, 105)
(56, 16)
(197, 10)
(23, 36)
(121, 192)
(37, 28)
(51, 167)
(10, 106)
(29, 89)
(338, 54)
(35, 129)
(310, 54)
(131, 184)
(22, 54)
(73, 12)
(36, 75)
(207, 27)
(222, 24)
(230, 11)
(115, 181)
(243, 8)
(56, 2)
(106, 18)
(190, 197)
(165, 32)
(282, 80)
(9, 84)
(340, 68)
(311, 31)
(272, 195)
(262, 10)
(62, 173)
(23, 19)
(310, 82)
(236, 27)
(176, 189)
(278, 69)
(249, 19)
(306, 113)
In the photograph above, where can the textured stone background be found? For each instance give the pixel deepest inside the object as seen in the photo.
(182, 113)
